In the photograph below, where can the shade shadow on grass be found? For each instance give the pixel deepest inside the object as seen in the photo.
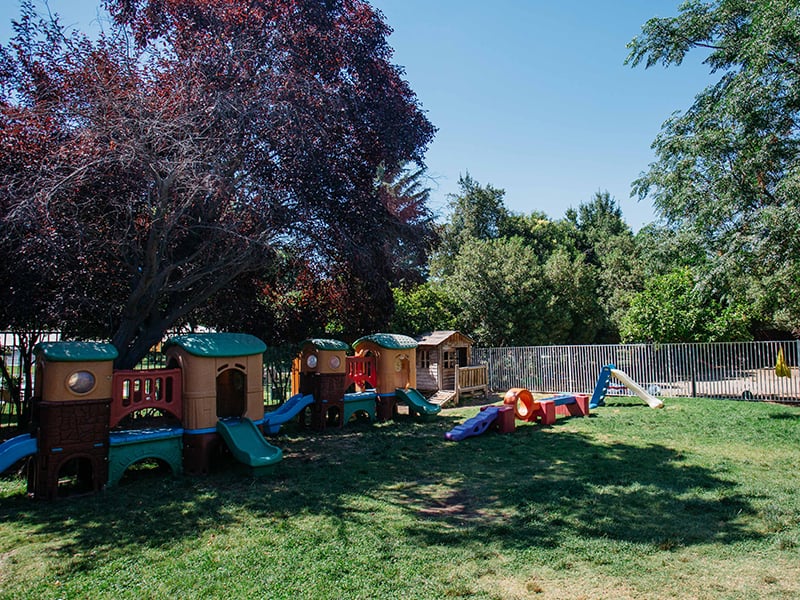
(785, 416)
(532, 488)
(570, 486)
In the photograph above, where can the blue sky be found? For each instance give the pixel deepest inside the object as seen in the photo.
(530, 96)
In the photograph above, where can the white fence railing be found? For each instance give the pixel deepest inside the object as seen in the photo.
(741, 370)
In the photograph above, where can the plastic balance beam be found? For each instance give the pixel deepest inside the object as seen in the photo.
(360, 402)
(131, 446)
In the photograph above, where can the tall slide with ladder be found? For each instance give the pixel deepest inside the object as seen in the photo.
(601, 388)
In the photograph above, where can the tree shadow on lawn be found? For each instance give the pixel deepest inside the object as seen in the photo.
(548, 488)
(531, 488)
(787, 416)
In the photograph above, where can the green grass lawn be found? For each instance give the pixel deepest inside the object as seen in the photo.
(699, 500)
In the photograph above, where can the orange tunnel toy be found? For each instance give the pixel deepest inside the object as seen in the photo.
(527, 408)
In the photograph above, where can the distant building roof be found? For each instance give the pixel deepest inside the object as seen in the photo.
(218, 345)
(390, 341)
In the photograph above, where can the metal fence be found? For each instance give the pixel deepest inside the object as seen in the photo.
(11, 346)
(741, 370)
(735, 370)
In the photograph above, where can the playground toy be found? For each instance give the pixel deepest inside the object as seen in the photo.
(394, 373)
(321, 372)
(604, 381)
(222, 381)
(445, 370)
(497, 418)
(286, 412)
(381, 373)
(544, 410)
(519, 403)
(73, 385)
(90, 421)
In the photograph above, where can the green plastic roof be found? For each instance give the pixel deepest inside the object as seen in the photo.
(390, 341)
(324, 344)
(76, 351)
(218, 345)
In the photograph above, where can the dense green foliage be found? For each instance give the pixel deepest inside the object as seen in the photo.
(723, 262)
(695, 501)
(671, 308)
(195, 146)
(728, 168)
(515, 279)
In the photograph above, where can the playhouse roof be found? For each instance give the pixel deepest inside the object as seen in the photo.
(218, 345)
(76, 351)
(326, 344)
(438, 337)
(390, 341)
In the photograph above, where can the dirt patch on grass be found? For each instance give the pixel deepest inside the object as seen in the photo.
(457, 505)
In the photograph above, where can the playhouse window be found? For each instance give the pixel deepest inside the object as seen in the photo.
(424, 359)
(81, 382)
(449, 359)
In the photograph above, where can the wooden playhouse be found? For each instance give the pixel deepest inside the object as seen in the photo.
(444, 367)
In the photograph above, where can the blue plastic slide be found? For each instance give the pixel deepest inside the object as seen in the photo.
(16, 449)
(417, 403)
(474, 426)
(285, 412)
(247, 443)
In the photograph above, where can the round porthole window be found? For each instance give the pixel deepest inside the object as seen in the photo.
(335, 362)
(81, 382)
(311, 361)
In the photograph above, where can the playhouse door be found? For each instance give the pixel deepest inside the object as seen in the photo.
(462, 357)
(449, 361)
(402, 371)
(231, 393)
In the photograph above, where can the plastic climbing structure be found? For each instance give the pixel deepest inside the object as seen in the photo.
(91, 423)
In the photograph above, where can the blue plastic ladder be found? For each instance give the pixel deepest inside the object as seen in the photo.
(601, 387)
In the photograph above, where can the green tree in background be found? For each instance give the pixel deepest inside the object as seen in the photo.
(662, 249)
(574, 313)
(608, 245)
(476, 213)
(501, 292)
(673, 308)
(540, 232)
(424, 308)
(727, 168)
(529, 279)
